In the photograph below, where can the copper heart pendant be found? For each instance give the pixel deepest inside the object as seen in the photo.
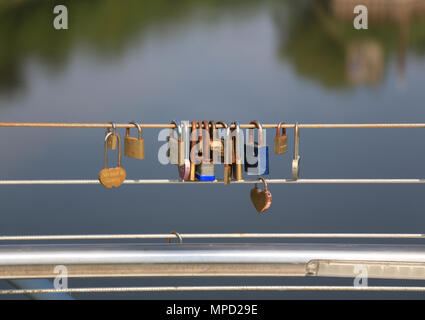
(261, 199)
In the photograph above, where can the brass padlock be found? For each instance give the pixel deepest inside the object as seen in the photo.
(237, 151)
(111, 177)
(217, 150)
(134, 147)
(193, 150)
(281, 140)
(227, 146)
(112, 140)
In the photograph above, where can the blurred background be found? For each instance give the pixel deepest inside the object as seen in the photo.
(155, 60)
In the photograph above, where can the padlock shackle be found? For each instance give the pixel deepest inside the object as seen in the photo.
(178, 127)
(213, 130)
(114, 127)
(139, 128)
(107, 136)
(186, 140)
(105, 150)
(237, 127)
(278, 129)
(260, 133)
(200, 140)
(238, 145)
(296, 141)
(200, 133)
(193, 134)
(227, 144)
(224, 124)
(194, 139)
(206, 143)
(265, 183)
(213, 137)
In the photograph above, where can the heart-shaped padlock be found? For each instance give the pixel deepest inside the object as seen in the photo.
(261, 199)
(112, 177)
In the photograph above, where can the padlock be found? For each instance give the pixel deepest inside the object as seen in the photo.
(193, 150)
(200, 144)
(216, 144)
(237, 151)
(112, 140)
(222, 139)
(111, 177)
(296, 160)
(175, 146)
(281, 140)
(134, 147)
(205, 170)
(256, 153)
(184, 169)
(261, 199)
(227, 146)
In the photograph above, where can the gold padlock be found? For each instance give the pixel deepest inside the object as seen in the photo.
(281, 140)
(112, 177)
(217, 150)
(134, 147)
(112, 138)
(227, 156)
(237, 152)
(193, 150)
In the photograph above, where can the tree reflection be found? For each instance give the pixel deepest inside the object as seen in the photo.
(315, 36)
(318, 38)
(105, 26)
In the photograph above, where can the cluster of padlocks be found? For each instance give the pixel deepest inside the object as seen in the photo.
(197, 153)
(197, 149)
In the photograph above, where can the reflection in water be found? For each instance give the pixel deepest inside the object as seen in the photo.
(107, 26)
(322, 43)
(364, 62)
(317, 36)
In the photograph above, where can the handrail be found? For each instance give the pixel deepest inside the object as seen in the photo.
(215, 288)
(215, 236)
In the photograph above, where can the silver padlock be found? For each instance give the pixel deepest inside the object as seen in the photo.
(296, 161)
(175, 146)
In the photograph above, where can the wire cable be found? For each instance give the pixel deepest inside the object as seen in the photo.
(170, 181)
(251, 126)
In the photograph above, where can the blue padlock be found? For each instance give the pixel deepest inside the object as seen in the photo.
(256, 153)
(205, 170)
